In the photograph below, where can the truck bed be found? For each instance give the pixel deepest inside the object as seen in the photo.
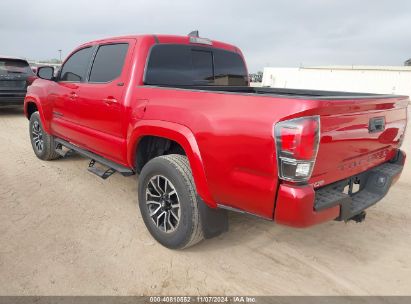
(348, 145)
(291, 93)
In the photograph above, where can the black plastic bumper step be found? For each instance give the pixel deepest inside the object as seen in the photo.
(373, 186)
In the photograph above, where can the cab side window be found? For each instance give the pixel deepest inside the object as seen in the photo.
(75, 68)
(108, 62)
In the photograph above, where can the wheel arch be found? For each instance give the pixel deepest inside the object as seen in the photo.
(31, 105)
(183, 137)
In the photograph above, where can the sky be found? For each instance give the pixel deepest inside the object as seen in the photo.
(270, 33)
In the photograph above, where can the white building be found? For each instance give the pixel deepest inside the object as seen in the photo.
(367, 79)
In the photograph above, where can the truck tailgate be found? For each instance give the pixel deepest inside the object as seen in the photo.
(357, 135)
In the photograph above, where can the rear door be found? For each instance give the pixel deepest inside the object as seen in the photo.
(99, 106)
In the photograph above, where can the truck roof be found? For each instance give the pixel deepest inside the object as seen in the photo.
(178, 39)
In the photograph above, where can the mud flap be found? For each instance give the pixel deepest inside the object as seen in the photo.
(214, 221)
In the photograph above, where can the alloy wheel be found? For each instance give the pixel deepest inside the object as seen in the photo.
(37, 134)
(163, 203)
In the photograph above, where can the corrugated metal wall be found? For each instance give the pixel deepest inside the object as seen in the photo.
(384, 80)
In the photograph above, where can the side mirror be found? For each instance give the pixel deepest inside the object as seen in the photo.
(46, 72)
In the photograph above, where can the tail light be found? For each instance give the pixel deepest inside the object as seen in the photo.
(30, 79)
(297, 143)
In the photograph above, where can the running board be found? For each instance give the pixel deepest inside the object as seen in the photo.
(63, 153)
(113, 167)
(104, 174)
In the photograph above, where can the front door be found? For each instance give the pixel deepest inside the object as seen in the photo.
(63, 94)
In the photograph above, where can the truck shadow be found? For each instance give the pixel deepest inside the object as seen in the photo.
(348, 240)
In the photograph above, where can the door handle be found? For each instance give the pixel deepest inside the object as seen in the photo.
(110, 100)
(73, 95)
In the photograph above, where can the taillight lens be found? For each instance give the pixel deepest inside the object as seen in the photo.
(297, 143)
(30, 79)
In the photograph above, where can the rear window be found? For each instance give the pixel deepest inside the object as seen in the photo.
(185, 65)
(108, 62)
(12, 66)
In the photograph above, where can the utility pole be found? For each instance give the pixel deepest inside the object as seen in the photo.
(60, 55)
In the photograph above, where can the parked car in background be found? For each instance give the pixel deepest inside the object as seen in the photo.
(15, 76)
(179, 111)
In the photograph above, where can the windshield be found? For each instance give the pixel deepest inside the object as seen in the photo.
(13, 66)
(187, 65)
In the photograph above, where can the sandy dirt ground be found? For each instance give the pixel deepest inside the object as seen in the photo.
(64, 231)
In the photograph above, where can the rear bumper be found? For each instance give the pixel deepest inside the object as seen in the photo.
(302, 206)
(12, 98)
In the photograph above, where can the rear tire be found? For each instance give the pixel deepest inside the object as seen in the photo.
(43, 144)
(168, 202)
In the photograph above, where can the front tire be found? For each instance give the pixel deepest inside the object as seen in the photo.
(42, 143)
(168, 202)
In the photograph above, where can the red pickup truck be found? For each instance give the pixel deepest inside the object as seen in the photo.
(179, 111)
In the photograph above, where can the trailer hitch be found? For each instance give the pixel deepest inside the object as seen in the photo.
(359, 217)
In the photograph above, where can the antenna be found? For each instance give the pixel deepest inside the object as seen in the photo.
(194, 34)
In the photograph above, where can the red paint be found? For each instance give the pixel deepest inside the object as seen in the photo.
(228, 138)
(295, 207)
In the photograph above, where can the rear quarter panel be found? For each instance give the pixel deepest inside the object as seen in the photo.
(234, 136)
(234, 133)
